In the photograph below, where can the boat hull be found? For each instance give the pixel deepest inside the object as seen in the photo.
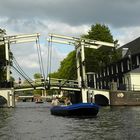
(39, 102)
(82, 109)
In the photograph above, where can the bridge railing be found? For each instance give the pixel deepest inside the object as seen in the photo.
(63, 82)
(27, 85)
(51, 82)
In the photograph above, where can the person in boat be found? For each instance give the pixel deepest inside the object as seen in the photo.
(55, 101)
(67, 101)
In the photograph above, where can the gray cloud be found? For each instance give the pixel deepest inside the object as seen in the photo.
(75, 12)
(68, 17)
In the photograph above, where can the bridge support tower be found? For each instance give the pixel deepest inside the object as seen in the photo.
(84, 95)
(8, 94)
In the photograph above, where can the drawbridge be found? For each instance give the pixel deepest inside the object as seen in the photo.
(50, 83)
(53, 83)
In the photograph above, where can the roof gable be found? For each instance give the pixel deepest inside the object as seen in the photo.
(133, 47)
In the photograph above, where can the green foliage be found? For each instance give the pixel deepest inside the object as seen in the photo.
(2, 57)
(54, 75)
(12, 79)
(25, 82)
(67, 68)
(95, 59)
(2, 63)
(37, 76)
(99, 32)
(37, 92)
(2, 32)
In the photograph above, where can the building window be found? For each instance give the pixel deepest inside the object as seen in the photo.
(116, 68)
(101, 85)
(107, 70)
(137, 59)
(97, 75)
(105, 83)
(128, 64)
(100, 74)
(122, 67)
(111, 69)
(104, 72)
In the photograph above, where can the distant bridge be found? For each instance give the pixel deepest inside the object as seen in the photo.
(58, 84)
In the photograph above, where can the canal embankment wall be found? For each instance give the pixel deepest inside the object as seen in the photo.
(124, 98)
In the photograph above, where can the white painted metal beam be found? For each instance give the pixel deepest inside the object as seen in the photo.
(1, 42)
(86, 41)
(95, 42)
(61, 42)
(63, 37)
(16, 41)
(92, 46)
(22, 36)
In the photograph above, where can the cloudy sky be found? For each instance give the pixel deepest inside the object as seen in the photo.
(67, 17)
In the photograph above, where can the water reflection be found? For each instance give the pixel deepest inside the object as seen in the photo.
(30, 121)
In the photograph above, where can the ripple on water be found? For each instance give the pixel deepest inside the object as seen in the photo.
(30, 121)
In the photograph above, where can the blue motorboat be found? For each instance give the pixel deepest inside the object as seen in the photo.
(80, 109)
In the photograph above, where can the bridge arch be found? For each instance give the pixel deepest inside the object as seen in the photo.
(101, 97)
(4, 96)
(3, 100)
(101, 100)
(8, 95)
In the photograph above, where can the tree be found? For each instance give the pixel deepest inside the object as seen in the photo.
(2, 32)
(95, 59)
(99, 32)
(38, 78)
(2, 57)
(67, 68)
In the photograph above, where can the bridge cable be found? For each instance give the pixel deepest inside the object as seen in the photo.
(49, 58)
(23, 76)
(50, 61)
(40, 55)
(40, 60)
(21, 72)
(20, 69)
(50, 47)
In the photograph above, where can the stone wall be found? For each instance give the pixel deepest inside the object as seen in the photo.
(124, 98)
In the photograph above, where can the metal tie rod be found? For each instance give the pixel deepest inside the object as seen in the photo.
(63, 37)
(22, 36)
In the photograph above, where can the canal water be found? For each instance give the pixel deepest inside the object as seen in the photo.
(30, 121)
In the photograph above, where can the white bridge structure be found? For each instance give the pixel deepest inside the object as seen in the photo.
(87, 93)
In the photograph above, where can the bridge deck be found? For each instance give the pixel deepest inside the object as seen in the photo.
(57, 84)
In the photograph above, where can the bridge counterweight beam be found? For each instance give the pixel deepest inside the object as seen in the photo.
(78, 66)
(83, 64)
(7, 61)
